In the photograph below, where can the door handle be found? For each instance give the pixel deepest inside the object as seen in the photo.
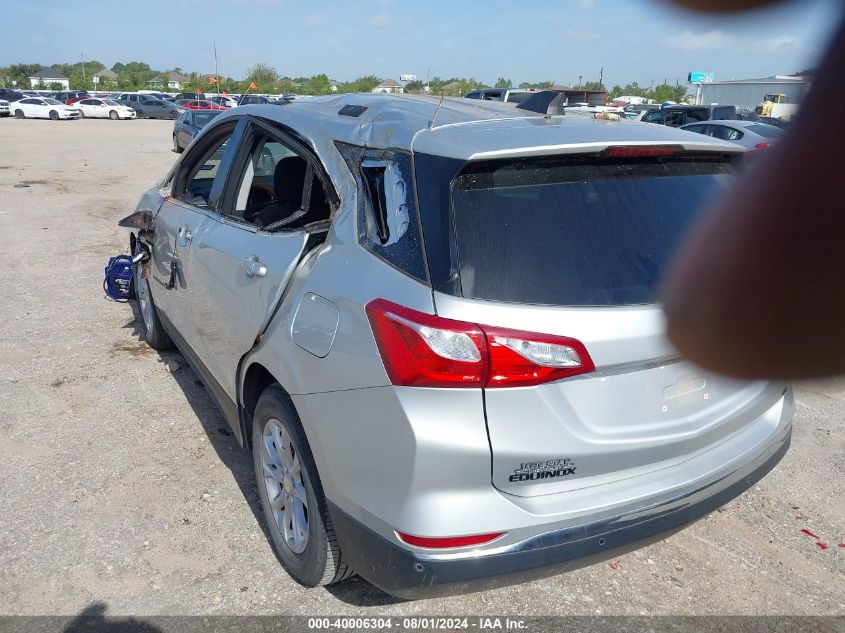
(183, 236)
(253, 266)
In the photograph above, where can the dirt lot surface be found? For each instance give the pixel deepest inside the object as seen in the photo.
(121, 483)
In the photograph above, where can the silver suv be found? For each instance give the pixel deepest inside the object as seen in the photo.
(434, 324)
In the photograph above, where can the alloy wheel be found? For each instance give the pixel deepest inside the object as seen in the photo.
(286, 491)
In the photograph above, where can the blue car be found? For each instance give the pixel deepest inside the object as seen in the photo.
(188, 125)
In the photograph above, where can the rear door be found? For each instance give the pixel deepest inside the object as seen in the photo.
(575, 247)
(240, 262)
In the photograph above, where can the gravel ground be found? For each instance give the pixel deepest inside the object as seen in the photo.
(122, 485)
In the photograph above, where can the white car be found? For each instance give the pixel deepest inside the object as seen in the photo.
(4, 107)
(226, 102)
(104, 109)
(41, 108)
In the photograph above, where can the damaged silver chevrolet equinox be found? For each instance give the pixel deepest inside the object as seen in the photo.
(433, 323)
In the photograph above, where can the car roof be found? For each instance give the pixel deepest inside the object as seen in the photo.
(461, 128)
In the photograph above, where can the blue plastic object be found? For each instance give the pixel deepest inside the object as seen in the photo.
(118, 279)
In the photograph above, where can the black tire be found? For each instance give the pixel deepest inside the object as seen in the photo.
(113, 115)
(321, 562)
(176, 147)
(174, 114)
(139, 114)
(81, 114)
(19, 114)
(153, 331)
(54, 115)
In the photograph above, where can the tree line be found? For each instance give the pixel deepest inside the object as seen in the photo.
(135, 75)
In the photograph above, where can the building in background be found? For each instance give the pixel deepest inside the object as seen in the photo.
(47, 77)
(174, 81)
(390, 86)
(747, 94)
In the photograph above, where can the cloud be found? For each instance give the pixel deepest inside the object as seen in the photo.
(689, 41)
(380, 18)
(779, 41)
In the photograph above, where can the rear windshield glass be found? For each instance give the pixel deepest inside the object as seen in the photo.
(575, 232)
(763, 129)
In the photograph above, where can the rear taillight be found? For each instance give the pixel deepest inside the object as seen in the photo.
(449, 541)
(519, 359)
(762, 146)
(423, 350)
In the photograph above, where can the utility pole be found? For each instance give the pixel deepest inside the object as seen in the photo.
(82, 57)
(579, 79)
(216, 73)
(601, 76)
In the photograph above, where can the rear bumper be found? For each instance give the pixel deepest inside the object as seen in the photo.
(409, 574)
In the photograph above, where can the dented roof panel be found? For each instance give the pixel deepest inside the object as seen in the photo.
(461, 128)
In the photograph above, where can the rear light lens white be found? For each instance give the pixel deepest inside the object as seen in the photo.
(424, 350)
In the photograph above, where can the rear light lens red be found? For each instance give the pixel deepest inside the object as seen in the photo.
(519, 359)
(423, 350)
(762, 146)
(637, 152)
(449, 541)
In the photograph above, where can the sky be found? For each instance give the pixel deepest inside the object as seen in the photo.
(647, 41)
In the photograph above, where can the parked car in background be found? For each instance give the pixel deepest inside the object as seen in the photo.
(442, 341)
(188, 125)
(104, 109)
(188, 95)
(747, 115)
(68, 98)
(11, 95)
(253, 99)
(198, 104)
(40, 108)
(148, 107)
(4, 108)
(781, 123)
(752, 135)
(226, 102)
(678, 115)
(508, 95)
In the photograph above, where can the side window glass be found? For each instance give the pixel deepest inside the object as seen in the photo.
(200, 174)
(388, 220)
(652, 117)
(697, 115)
(675, 119)
(280, 190)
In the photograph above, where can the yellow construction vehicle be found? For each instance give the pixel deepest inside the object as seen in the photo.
(778, 106)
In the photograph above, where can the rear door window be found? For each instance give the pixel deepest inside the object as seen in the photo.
(768, 131)
(725, 133)
(575, 232)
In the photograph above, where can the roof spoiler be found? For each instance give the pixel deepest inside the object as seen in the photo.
(548, 102)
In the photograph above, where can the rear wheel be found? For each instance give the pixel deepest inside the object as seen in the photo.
(54, 115)
(291, 494)
(140, 114)
(154, 333)
(174, 114)
(113, 115)
(19, 114)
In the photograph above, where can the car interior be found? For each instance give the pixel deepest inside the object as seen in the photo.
(280, 189)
